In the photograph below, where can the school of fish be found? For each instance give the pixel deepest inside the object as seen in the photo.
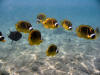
(35, 37)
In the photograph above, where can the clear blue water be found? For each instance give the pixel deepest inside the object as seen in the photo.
(16, 58)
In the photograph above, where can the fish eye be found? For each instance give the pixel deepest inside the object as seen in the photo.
(56, 24)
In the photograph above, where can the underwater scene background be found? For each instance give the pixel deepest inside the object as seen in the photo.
(77, 56)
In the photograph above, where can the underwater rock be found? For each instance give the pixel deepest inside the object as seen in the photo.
(97, 63)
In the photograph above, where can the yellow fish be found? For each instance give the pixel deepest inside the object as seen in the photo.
(50, 23)
(86, 31)
(23, 26)
(40, 18)
(52, 50)
(2, 39)
(35, 37)
(67, 25)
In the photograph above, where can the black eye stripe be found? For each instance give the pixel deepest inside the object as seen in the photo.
(1, 38)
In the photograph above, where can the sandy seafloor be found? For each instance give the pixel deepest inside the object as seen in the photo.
(76, 56)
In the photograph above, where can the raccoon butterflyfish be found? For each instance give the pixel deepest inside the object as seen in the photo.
(23, 26)
(2, 39)
(15, 35)
(50, 23)
(86, 31)
(52, 50)
(40, 18)
(67, 25)
(35, 37)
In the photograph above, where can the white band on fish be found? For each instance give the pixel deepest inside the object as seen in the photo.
(0, 36)
(70, 27)
(30, 28)
(57, 51)
(56, 24)
(92, 35)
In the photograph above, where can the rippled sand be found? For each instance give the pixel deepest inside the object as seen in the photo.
(28, 63)
(76, 56)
